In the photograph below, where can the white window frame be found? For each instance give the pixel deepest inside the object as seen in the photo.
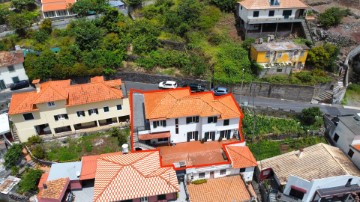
(144, 199)
(93, 111)
(193, 133)
(80, 115)
(51, 104)
(61, 116)
(160, 123)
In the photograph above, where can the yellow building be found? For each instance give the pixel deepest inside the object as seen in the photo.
(279, 56)
(59, 108)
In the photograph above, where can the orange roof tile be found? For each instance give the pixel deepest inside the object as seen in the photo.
(55, 189)
(357, 147)
(154, 136)
(10, 58)
(265, 4)
(55, 5)
(230, 188)
(35, 81)
(88, 168)
(62, 90)
(241, 156)
(122, 177)
(43, 179)
(180, 103)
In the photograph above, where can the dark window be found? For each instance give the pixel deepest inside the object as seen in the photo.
(176, 126)
(271, 13)
(225, 134)
(192, 119)
(296, 193)
(106, 109)
(242, 170)
(163, 139)
(201, 175)
(119, 107)
(210, 135)
(159, 123)
(161, 197)
(351, 153)
(11, 68)
(348, 182)
(28, 116)
(192, 136)
(93, 111)
(15, 79)
(226, 122)
(80, 113)
(223, 172)
(212, 119)
(336, 137)
(278, 70)
(256, 14)
(61, 117)
(287, 13)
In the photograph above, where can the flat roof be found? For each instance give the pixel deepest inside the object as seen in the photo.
(4, 123)
(351, 123)
(62, 170)
(279, 46)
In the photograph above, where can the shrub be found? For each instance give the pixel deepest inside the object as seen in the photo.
(13, 155)
(14, 170)
(332, 16)
(29, 181)
(308, 116)
(201, 181)
(323, 57)
(39, 152)
(34, 140)
(224, 5)
(41, 35)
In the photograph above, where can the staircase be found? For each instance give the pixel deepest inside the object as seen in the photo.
(306, 30)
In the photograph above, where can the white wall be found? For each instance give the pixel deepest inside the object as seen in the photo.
(6, 76)
(312, 186)
(247, 15)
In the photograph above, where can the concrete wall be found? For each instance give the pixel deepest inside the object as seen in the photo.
(247, 15)
(7, 76)
(287, 92)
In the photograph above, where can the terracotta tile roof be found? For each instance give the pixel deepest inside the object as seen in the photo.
(88, 168)
(35, 81)
(194, 153)
(55, 189)
(154, 136)
(265, 4)
(357, 147)
(241, 156)
(316, 162)
(180, 103)
(10, 58)
(43, 179)
(62, 90)
(231, 188)
(122, 177)
(55, 5)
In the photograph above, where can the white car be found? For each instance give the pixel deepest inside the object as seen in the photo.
(168, 84)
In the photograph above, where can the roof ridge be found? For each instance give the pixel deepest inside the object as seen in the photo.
(159, 103)
(241, 153)
(168, 181)
(327, 149)
(225, 104)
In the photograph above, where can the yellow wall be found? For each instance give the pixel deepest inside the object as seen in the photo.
(260, 57)
(45, 115)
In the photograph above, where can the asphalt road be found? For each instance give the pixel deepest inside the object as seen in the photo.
(266, 102)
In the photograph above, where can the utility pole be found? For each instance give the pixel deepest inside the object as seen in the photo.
(242, 82)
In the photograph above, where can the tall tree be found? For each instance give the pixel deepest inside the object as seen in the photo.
(87, 35)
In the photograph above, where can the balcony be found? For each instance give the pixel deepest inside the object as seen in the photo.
(265, 19)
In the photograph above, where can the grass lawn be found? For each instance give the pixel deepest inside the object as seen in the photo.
(352, 96)
(266, 148)
(74, 149)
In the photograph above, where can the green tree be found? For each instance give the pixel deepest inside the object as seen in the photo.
(246, 44)
(134, 3)
(41, 35)
(21, 21)
(308, 116)
(39, 152)
(29, 181)
(46, 25)
(209, 16)
(4, 12)
(13, 155)
(332, 16)
(189, 11)
(122, 135)
(34, 140)
(14, 170)
(83, 7)
(145, 43)
(224, 5)
(87, 35)
(323, 57)
(23, 4)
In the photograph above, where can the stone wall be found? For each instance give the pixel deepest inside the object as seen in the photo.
(279, 91)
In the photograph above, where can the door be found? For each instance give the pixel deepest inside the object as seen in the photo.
(2, 85)
(212, 174)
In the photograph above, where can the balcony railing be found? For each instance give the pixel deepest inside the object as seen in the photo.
(270, 19)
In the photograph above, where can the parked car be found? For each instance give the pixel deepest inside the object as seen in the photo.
(220, 91)
(168, 84)
(19, 85)
(194, 87)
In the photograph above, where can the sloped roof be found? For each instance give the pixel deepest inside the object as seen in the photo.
(316, 162)
(43, 179)
(96, 91)
(241, 156)
(10, 58)
(55, 189)
(88, 168)
(265, 4)
(122, 177)
(55, 5)
(181, 103)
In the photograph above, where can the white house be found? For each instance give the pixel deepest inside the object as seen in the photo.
(316, 173)
(259, 17)
(11, 68)
(345, 134)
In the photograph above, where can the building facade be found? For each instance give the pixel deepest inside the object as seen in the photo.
(259, 18)
(59, 108)
(11, 68)
(57, 8)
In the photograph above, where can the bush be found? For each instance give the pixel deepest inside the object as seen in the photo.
(224, 5)
(201, 181)
(308, 116)
(14, 170)
(34, 140)
(323, 57)
(122, 135)
(13, 155)
(39, 152)
(332, 16)
(41, 36)
(29, 181)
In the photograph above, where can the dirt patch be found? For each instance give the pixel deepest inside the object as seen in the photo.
(227, 25)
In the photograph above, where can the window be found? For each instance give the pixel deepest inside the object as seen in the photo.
(161, 197)
(166, 139)
(192, 119)
(61, 117)
(194, 135)
(267, 54)
(256, 14)
(144, 199)
(51, 104)
(351, 153)
(201, 175)
(348, 182)
(177, 126)
(271, 13)
(210, 135)
(119, 107)
(225, 134)
(242, 170)
(226, 122)
(279, 54)
(49, 14)
(223, 172)
(62, 13)
(302, 53)
(287, 13)
(11, 68)
(93, 111)
(80, 113)
(296, 193)
(106, 109)
(212, 119)
(279, 70)
(336, 137)
(240, 7)
(15, 79)
(28, 116)
(159, 123)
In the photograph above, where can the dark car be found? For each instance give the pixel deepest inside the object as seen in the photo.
(220, 91)
(19, 85)
(194, 87)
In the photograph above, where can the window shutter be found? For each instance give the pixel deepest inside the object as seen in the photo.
(209, 119)
(196, 135)
(164, 123)
(215, 119)
(89, 112)
(78, 114)
(66, 116)
(213, 136)
(206, 135)
(96, 111)
(56, 117)
(154, 124)
(188, 119)
(188, 136)
(228, 134)
(197, 119)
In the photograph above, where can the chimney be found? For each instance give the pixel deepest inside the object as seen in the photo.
(125, 148)
(300, 153)
(36, 82)
(44, 186)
